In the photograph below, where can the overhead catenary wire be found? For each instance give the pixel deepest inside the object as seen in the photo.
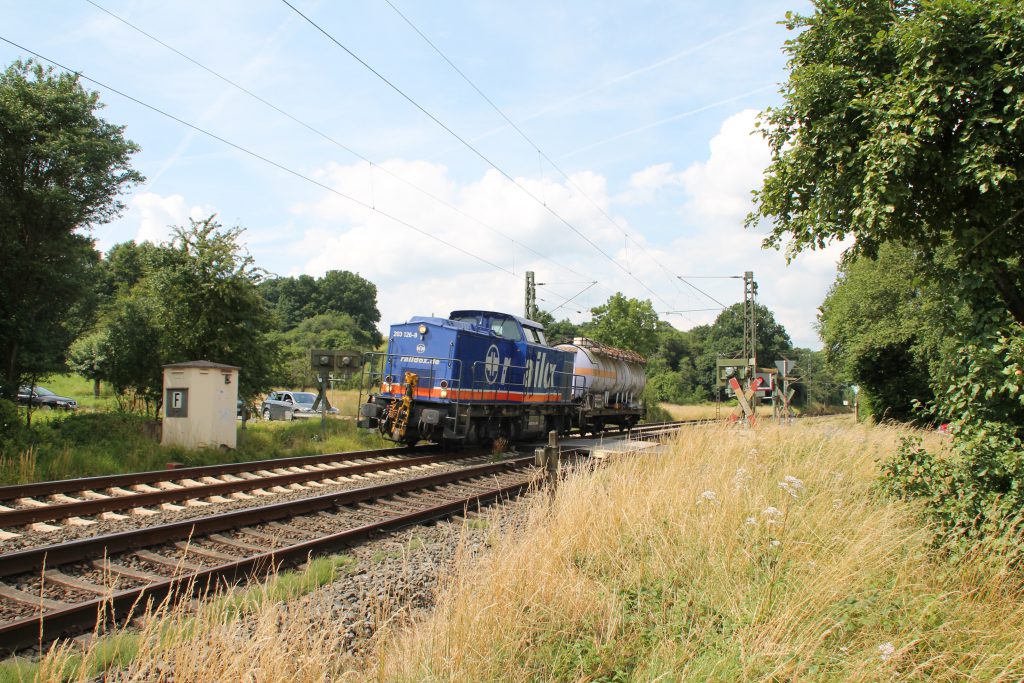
(260, 157)
(332, 140)
(470, 147)
(568, 299)
(535, 146)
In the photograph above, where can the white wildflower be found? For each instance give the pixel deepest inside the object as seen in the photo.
(791, 485)
(751, 521)
(776, 543)
(708, 497)
(753, 452)
(772, 513)
(886, 651)
(741, 479)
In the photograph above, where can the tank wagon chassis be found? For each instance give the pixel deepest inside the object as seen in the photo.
(478, 376)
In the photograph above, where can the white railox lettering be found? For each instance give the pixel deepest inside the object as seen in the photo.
(540, 372)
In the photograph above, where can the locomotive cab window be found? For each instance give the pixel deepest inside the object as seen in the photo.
(535, 335)
(506, 328)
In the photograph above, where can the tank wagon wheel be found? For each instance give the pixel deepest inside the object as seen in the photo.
(266, 414)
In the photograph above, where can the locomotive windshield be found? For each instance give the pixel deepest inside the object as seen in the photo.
(506, 329)
(535, 335)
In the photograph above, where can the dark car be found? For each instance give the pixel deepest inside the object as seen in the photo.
(40, 397)
(290, 405)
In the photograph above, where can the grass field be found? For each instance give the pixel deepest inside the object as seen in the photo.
(102, 441)
(757, 555)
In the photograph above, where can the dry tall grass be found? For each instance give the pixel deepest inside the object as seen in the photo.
(759, 555)
(708, 411)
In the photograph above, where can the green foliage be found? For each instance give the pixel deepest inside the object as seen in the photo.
(978, 489)
(562, 330)
(10, 422)
(295, 299)
(61, 169)
(904, 122)
(902, 125)
(331, 330)
(88, 356)
(884, 324)
(724, 339)
(205, 290)
(195, 298)
(626, 324)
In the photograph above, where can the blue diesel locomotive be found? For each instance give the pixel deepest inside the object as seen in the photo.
(479, 375)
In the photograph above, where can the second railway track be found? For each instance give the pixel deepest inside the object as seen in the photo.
(63, 588)
(51, 591)
(34, 509)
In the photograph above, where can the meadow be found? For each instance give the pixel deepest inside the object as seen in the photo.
(756, 555)
(98, 439)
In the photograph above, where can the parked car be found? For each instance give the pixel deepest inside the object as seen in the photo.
(290, 405)
(41, 397)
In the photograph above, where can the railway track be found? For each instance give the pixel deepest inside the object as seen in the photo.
(38, 507)
(82, 502)
(60, 589)
(51, 591)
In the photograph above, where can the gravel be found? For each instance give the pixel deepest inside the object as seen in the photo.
(394, 579)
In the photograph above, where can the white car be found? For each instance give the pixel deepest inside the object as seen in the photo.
(291, 405)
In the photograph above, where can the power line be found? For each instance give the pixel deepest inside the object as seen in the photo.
(536, 147)
(690, 284)
(330, 139)
(469, 146)
(256, 155)
(568, 299)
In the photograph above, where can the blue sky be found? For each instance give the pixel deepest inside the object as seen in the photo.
(646, 107)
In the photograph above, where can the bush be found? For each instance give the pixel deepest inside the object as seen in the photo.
(977, 489)
(10, 423)
(656, 413)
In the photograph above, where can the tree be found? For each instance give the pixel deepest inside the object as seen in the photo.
(724, 339)
(295, 299)
(625, 323)
(883, 325)
(206, 290)
(88, 357)
(195, 298)
(325, 331)
(904, 122)
(61, 170)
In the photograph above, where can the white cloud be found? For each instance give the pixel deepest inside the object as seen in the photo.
(718, 198)
(720, 187)
(475, 254)
(646, 183)
(476, 258)
(155, 214)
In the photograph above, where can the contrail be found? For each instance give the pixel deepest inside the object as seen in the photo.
(632, 74)
(670, 119)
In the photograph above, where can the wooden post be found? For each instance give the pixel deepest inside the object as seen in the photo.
(551, 459)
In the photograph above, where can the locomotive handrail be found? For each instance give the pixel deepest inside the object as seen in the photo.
(480, 385)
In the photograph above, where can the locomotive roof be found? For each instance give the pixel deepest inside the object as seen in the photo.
(526, 322)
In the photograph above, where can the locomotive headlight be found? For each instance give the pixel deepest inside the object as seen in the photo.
(423, 328)
(444, 393)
